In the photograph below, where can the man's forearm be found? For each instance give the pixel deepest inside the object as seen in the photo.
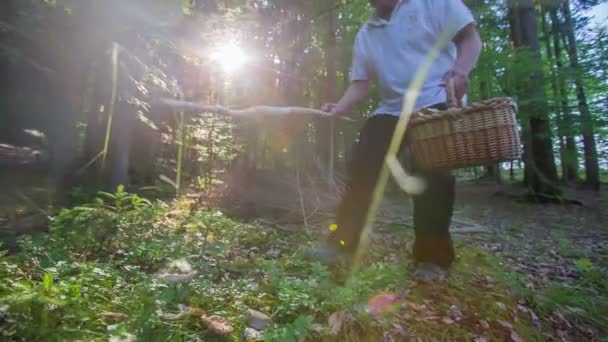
(355, 93)
(468, 44)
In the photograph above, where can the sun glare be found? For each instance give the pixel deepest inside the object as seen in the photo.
(230, 57)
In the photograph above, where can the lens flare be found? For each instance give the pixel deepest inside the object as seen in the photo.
(230, 57)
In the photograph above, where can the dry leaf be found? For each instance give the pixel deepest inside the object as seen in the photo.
(505, 325)
(502, 306)
(381, 303)
(195, 311)
(115, 316)
(217, 325)
(416, 307)
(447, 320)
(175, 278)
(335, 322)
(515, 337)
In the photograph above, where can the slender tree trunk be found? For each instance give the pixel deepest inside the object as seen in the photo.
(591, 159)
(540, 163)
(570, 155)
(556, 98)
(485, 89)
(326, 135)
(95, 118)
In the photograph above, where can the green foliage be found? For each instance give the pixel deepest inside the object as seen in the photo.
(91, 277)
(291, 332)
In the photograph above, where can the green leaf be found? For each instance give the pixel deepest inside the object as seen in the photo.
(47, 281)
(584, 265)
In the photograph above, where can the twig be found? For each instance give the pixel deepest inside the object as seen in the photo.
(302, 201)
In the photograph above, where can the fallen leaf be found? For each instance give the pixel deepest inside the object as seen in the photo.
(416, 307)
(335, 322)
(505, 325)
(115, 316)
(217, 325)
(535, 319)
(559, 318)
(515, 337)
(381, 303)
(124, 337)
(447, 320)
(318, 328)
(195, 311)
(172, 316)
(501, 306)
(175, 278)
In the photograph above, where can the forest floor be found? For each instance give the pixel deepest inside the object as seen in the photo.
(121, 267)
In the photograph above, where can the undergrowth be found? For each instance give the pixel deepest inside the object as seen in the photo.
(93, 277)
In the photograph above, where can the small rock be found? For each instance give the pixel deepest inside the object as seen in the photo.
(501, 306)
(274, 253)
(318, 328)
(455, 313)
(257, 320)
(180, 266)
(251, 334)
(447, 320)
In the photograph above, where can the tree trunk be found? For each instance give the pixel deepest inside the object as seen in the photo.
(556, 97)
(120, 146)
(591, 160)
(485, 90)
(570, 155)
(326, 136)
(541, 171)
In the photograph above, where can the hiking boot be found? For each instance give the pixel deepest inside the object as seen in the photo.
(429, 273)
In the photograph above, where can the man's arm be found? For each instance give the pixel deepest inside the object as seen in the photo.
(468, 46)
(356, 92)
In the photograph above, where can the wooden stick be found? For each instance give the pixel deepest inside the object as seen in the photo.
(251, 111)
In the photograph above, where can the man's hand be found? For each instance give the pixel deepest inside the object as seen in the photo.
(333, 108)
(356, 92)
(460, 83)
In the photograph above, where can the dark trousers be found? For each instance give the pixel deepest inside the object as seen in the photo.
(432, 210)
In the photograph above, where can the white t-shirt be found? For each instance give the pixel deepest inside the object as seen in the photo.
(392, 51)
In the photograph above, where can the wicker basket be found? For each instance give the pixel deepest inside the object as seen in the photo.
(482, 133)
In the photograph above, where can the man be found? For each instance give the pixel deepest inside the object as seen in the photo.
(390, 47)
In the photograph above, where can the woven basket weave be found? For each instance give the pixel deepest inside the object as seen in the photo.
(482, 133)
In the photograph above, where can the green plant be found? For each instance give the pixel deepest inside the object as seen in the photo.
(291, 332)
(122, 201)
